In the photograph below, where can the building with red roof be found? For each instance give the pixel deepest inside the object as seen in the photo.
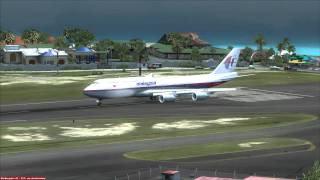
(19, 41)
(213, 178)
(264, 178)
(170, 175)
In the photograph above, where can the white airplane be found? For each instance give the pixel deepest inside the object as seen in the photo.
(166, 89)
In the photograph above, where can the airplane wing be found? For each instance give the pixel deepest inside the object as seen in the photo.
(167, 95)
(157, 92)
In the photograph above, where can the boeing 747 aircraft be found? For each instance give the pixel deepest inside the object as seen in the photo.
(166, 89)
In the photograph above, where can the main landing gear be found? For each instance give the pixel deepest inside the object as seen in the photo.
(153, 98)
(99, 101)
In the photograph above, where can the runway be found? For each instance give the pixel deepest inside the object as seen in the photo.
(107, 161)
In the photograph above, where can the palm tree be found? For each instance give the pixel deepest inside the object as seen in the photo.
(246, 54)
(177, 47)
(172, 37)
(105, 45)
(122, 49)
(260, 41)
(7, 37)
(281, 47)
(177, 42)
(291, 49)
(79, 37)
(31, 36)
(136, 45)
(286, 42)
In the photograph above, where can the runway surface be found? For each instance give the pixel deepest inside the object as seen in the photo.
(107, 161)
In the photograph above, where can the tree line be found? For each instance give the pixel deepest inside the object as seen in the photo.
(73, 37)
(79, 37)
(263, 55)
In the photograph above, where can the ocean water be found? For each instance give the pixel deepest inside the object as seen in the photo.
(300, 49)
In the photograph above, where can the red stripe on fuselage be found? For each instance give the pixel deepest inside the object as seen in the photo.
(208, 84)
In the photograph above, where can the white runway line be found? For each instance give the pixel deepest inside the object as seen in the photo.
(279, 92)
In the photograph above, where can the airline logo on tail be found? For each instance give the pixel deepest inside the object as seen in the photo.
(229, 62)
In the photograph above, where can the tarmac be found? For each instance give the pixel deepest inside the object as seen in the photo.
(106, 161)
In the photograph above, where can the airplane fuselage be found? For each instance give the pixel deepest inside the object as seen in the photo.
(138, 86)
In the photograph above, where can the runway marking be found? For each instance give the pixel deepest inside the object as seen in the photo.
(45, 102)
(279, 92)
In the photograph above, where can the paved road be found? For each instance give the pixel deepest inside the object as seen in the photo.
(107, 161)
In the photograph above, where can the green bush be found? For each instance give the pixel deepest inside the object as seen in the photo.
(313, 173)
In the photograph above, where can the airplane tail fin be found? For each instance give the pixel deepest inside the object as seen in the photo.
(229, 63)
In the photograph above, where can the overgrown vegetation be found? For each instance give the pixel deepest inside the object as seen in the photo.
(313, 173)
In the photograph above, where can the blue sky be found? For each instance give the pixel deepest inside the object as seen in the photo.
(220, 22)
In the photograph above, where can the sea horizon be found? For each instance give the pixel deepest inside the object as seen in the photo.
(301, 48)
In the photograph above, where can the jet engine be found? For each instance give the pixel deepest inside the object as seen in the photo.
(196, 96)
(166, 98)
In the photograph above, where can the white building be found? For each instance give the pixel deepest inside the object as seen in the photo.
(15, 54)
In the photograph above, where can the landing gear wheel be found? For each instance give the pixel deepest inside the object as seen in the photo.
(98, 101)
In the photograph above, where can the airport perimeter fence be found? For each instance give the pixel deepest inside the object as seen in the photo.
(190, 173)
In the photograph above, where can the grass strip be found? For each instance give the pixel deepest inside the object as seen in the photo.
(215, 148)
(64, 133)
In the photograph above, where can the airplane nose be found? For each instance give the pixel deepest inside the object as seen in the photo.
(87, 91)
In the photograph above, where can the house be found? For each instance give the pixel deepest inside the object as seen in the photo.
(170, 175)
(165, 51)
(84, 55)
(15, 54)
(213, 178)
(264, 178)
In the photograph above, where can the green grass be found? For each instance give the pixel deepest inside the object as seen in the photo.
(28, 92)
(199, 150)
(274, 78)
(36, 93)
(143, 130)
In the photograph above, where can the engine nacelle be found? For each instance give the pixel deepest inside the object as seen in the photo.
(167, 98)
(199, 96)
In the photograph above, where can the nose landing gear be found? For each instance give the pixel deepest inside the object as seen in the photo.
(99, 101)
